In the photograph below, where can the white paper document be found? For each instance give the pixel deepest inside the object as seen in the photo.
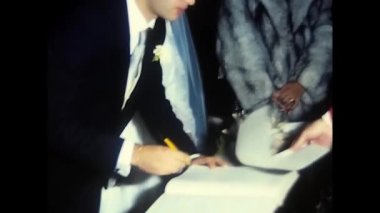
(225, 189)
(268, 172)
(256, 136)
(169, 203)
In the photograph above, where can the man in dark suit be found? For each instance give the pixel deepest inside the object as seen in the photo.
(89, 50)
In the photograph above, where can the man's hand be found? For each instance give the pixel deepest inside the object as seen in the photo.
(210, 161)
(288, 97)
(159, 160)
(318, 132)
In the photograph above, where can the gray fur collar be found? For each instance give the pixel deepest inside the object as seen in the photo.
(277, 10)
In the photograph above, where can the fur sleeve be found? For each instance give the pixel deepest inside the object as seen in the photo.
(242, 54)
(315, 66)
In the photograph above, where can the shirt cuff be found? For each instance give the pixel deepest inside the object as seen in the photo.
(193, 156)
(327, 117)
(123, 166)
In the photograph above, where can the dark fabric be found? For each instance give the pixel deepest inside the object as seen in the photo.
(313, 190)
(87, 56)
(87, 63)
(203, 21)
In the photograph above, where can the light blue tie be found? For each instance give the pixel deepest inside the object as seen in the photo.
(135, 66)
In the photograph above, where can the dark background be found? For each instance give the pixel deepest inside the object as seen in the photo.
(203, 19)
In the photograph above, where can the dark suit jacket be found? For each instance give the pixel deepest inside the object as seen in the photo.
(88, 59)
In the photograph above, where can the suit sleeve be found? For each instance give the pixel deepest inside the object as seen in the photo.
(82, 101)
(160, 118)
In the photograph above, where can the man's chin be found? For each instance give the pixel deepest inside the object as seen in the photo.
(172, 17)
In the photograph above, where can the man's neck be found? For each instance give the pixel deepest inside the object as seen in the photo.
(145, 10)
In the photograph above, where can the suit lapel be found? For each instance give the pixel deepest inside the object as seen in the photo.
(151, 72)
(154, 37)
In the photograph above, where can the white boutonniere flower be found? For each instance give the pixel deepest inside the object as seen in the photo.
(161, 53)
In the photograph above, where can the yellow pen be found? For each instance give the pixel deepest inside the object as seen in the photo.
(170, 144)
(173, 147)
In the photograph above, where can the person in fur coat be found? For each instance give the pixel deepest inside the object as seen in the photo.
(277, 52)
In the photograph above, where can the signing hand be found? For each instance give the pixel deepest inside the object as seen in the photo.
(210, 161)
(318, 132)
(159, 160)
(288, 97)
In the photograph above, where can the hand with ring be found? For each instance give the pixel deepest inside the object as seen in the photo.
(288, 97)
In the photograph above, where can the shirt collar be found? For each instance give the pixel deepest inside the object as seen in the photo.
(137, 23)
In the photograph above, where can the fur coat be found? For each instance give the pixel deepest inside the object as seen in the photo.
(263, 44)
